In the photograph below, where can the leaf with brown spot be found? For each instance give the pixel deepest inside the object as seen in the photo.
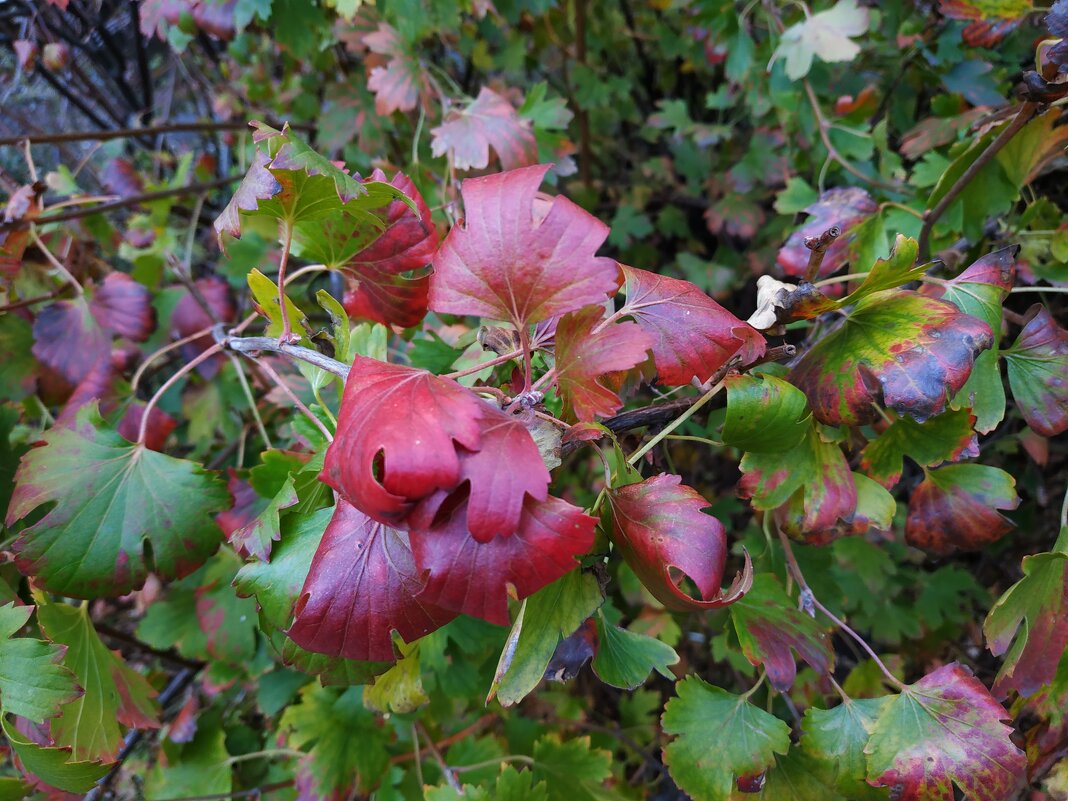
(955, 508)
(896, 347)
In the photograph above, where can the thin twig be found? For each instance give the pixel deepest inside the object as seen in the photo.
(170, 382)
(251, 345)
(137, 376)
(56, 263)
(282, 385)
(125, 133)
(87, 211)
(1023, 116)
(450, 777)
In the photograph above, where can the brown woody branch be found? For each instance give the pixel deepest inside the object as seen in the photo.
(251, 345)
(126, 133)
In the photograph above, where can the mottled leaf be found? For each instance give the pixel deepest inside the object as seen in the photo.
(664, 536)
(955, 508)
(1034, 613)
(1038, 372)
(490, 121)
(398, 82)
(896, 347)
(947, 437)
(718, 736)
(112, 501)
(68, 339)
(945, 730)
(33, 682)
(770, 626)
(518, 256)
(764, 414)
(122, 305)
(693, 336)
(586, 353)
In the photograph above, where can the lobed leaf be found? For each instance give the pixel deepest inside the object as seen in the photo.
(625, 658)
(113, 501)
(1038, 372)
(692, 335)
(837, 738)
(944, 730)
(718, 737)
(519, 257)
(896, 347)
(490, 121)
(947, 437)
(33, 682)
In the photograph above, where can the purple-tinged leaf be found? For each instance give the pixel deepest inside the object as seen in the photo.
(955, 508)
(1038, 372)
(845, 208)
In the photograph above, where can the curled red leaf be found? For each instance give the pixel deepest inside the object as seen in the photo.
(658, 525)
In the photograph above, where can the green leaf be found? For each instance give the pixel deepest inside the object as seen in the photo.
(50, 765)
(19, 366)
(837, 737)
(625, 658)
(227, 621)
(399, 689)
(718, 736)
(769, 626)
(546, 617)
(899, 269)
(519, 785)
(289, 181)
(341, 330)
(1038, 372)
(797, 196)
(1034, 612)
(342, 737)
(948, 437)
(943, 730)
(114, 693)
(764, 414)
(9, 454)
(572, 770)
(908, 351)
(265, 294)
(32, 682)
(794, 777)
(112, 499)
(199, 767)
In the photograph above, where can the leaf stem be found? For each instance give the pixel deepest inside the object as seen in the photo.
(808, 598)
(243, 380)
(56, 263)
(528, 368)
(268, 753)
(678, 421)
(282, 385)
(170, 382)
(1017, 290)
(450, 777)
(498, 761)
(143, 367)
(287, 241)
(841, 279)
(507, 357)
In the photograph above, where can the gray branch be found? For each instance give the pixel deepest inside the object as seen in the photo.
(251, 345)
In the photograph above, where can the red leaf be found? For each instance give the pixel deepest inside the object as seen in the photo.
(122, 305)
(505, 470)
(845, 208)
(247, 505)
(693, 336)
(396, 85)
(490, 121)
(584, 355)
(658, 525)
(363, 585)
(475, 578)
(188, 318)
(398, 434)
(160, 425)
(510, 262)
(955, 508)
(408, 243)
(68, 339)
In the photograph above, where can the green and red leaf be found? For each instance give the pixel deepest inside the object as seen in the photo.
(955, 508)
(1038, 372)
(948, 437)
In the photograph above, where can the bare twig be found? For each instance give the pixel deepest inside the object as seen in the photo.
(251, 345)
(126, 133)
